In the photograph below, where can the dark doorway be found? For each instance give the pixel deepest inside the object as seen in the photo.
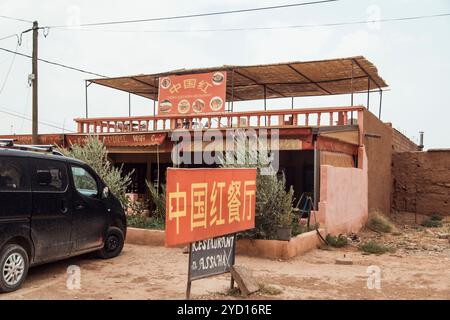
(298, 167)
(162, 173)
(139, 172)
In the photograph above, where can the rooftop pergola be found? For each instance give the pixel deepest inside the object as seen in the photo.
(281, 80)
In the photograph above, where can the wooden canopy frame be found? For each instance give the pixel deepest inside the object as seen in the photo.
(281, 80)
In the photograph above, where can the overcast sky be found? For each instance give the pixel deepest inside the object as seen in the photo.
(412, 56)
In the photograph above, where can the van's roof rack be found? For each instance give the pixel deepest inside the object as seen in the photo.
(9, 143)
(6, 142)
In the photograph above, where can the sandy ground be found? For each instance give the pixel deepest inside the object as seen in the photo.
(418, 269)
(158, 273)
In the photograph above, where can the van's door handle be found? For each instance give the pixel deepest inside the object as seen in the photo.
(64, 208)
(79, 206)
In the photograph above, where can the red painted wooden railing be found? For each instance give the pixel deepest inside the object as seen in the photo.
(307, 117)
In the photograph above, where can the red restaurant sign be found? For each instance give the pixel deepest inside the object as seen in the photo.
(206, 203)
(192, 93)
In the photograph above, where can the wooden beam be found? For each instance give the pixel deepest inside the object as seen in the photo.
(259, 84)
(143, 82)
(299, 82)
(336, 145)
(309, 79)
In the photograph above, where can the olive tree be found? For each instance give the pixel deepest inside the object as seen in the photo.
(273, 203)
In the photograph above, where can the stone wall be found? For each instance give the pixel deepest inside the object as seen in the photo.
(421, 182)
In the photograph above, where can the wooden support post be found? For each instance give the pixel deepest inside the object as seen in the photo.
(35, 130)
(189, 282)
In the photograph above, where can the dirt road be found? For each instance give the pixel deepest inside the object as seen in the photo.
(160, 273)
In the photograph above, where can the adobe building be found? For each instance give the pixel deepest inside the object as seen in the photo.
(340, 154)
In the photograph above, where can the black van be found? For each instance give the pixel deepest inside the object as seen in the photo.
(53, 207)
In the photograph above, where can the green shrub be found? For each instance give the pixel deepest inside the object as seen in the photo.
(139, 208)
(285, 216)
(94, 153)
(142, 222)
(430, 223)
(233, 292)
(374, 247)
(157, 201)
(337, 242)
(379, 223)
(269, 290)
(436, 217)
(298, 228)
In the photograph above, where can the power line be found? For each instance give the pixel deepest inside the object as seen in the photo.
(14, 114)
(54, 63)
(271, 28)
(16, 19)
(197, 15)
(9, 69)
(230, 29)
(10, 36)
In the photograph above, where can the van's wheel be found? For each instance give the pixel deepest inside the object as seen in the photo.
(14, 265)
(113, 246)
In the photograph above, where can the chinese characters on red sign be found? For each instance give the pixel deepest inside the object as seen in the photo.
(206, 203)
(192, 93)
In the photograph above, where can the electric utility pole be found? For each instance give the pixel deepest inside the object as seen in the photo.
(34, 79)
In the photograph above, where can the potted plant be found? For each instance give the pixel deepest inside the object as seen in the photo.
(285, 216)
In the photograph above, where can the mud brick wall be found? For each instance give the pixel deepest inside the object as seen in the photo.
(421, 182)
(379, 155)
(401, 143)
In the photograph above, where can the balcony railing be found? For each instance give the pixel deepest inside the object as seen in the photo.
(308, 117)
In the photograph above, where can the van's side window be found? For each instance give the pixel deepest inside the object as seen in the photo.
(49, 176)
(84, 182)
(12, 175)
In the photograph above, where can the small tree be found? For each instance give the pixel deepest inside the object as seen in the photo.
(273, 203)
(158, 202)
(94, 153)
(285, 216)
